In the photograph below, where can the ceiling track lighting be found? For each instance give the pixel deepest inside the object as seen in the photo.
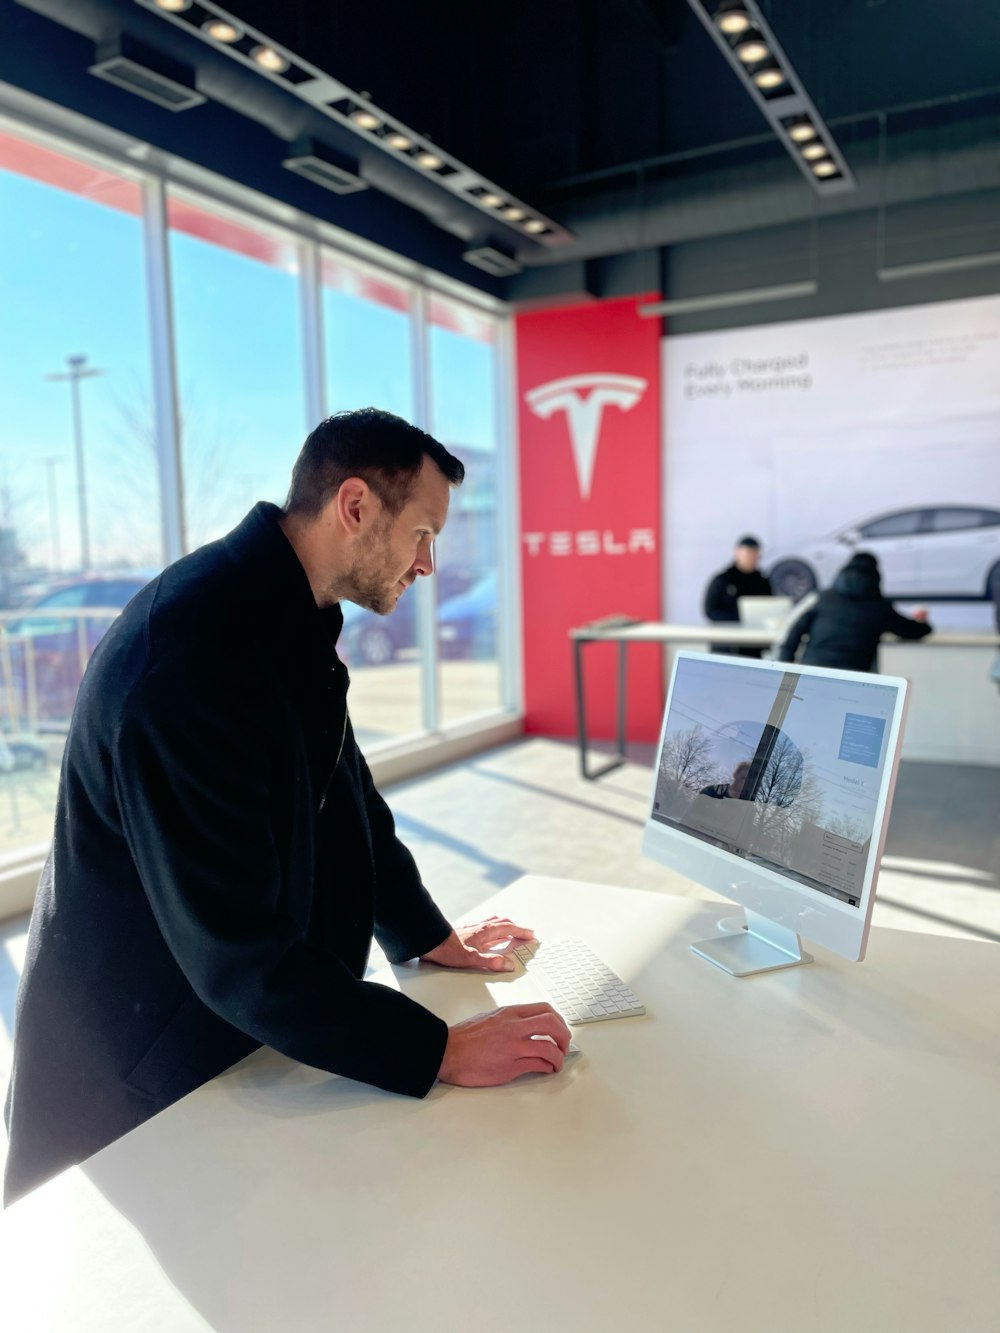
(801, 131)
(270, 59)
(752, 49)
(770, 76)
(731, 18)
(402, 143)
(221, 31)
(355, 111)
(744, 36)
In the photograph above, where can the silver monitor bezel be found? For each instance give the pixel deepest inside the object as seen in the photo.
(809, 912)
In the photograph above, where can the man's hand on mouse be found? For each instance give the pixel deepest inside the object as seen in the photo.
(465, 946)
(496, 1047)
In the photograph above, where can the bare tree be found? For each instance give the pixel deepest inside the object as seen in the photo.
(687, 759)
(781, 779)
(778, 823)
(212, 491)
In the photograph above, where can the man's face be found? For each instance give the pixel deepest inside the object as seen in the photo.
(738, 781)
(746, 558)
(394, 551)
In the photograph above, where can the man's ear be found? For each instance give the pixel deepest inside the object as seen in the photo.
(351, 505)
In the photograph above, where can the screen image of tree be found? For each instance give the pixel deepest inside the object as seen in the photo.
(777, 767)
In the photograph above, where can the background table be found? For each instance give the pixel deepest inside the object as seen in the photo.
(813, 1149)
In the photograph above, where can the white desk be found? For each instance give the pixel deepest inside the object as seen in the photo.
(815, 1149)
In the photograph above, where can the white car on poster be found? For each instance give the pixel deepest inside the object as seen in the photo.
(943, 552)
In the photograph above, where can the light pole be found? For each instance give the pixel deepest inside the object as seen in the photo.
(79, 370)
(50, 463)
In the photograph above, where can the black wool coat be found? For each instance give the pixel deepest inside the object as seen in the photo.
(845, 623)
(220, 863)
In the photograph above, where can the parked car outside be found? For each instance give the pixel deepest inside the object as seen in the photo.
(371, 640)
(48, 643)
(467, 623)
(21, 752)
(947, 552)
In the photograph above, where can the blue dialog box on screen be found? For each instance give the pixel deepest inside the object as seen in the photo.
(861, 741)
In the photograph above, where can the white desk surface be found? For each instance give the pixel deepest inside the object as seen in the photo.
(654, 631)
(808, 1151)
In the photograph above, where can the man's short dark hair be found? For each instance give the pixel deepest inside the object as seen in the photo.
(752, 542)
(384, 450)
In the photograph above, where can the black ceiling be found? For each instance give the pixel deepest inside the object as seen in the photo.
(619, 119)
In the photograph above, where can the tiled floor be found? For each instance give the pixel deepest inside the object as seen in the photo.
(478, 825)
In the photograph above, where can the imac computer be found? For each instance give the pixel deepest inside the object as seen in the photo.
(772, 786)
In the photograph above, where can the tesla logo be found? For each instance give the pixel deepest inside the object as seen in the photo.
(583, 398)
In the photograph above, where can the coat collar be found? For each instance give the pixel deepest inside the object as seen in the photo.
(276, 575)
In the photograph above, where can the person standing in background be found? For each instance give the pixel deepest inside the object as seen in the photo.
(844, 624)
(741, 579)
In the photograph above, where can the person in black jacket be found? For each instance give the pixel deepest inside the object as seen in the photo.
(741, 579)
(221, 858)
(845, 622)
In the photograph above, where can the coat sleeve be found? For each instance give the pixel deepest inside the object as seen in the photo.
(903, 626)
(797, 631)
(192, 775)
(408, 922)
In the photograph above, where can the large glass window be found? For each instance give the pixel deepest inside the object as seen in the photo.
(80, 457)
(368, 362)
(462, 346)
(79, 500)
(239, 363)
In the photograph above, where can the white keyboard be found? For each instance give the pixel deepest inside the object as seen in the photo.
(579, 984)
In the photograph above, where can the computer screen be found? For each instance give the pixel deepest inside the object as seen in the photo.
(773, 785)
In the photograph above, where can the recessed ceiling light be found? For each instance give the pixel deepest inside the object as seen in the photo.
(752, 49)
(491, 200)
(768, 78)
(513, 214)
(428, 160)
(534, 225)
(814, 150)
(825, 168)
(269, 59)
(221, 30)
(401, 142)
(732, 21)
(802, 132)
(366, 119)
(173, 6)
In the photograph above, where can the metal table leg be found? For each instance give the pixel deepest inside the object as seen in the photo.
(581, 712)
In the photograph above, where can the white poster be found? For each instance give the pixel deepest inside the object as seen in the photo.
(878, 432)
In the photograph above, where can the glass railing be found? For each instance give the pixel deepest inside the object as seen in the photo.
(43, 655)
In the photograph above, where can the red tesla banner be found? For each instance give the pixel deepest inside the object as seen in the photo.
(589, 422)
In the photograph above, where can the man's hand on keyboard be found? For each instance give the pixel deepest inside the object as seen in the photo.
(463, 947)
(496, 1047)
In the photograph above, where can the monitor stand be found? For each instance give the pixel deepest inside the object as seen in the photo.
(763, 947)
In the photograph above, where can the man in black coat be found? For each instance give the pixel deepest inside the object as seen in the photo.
(845, 622)
(741, 579)
(221, 858)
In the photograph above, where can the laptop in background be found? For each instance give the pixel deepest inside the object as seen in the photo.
(764, 612)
